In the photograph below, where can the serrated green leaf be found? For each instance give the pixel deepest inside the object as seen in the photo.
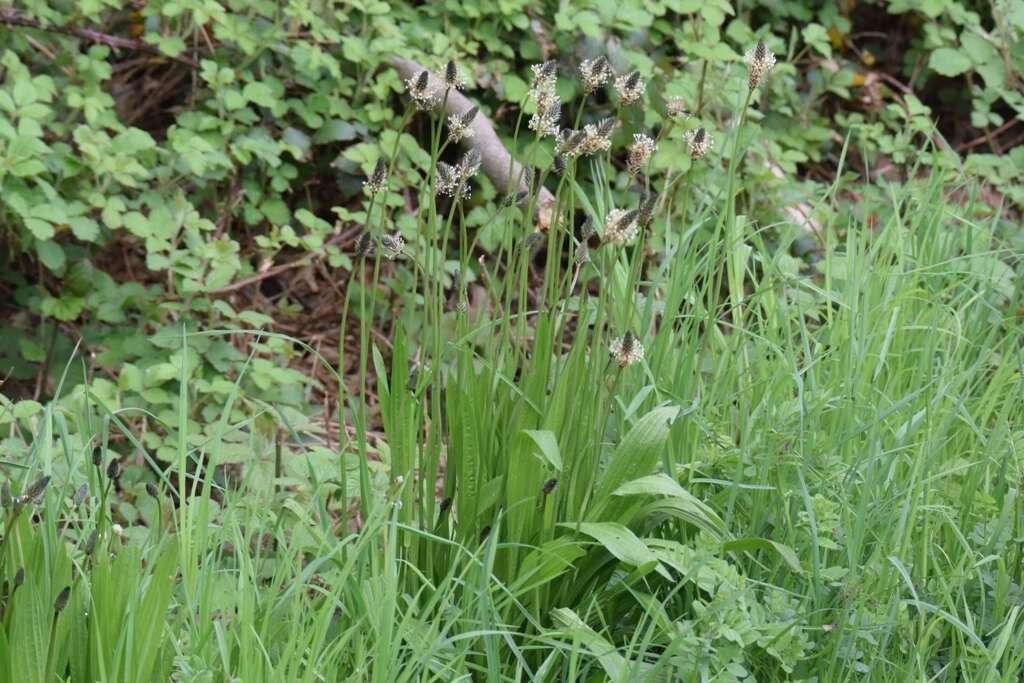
(949, 62)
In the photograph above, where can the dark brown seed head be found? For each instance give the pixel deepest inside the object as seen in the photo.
(549, 486)
(422, 80)
(80, 495)
(113, 469)
(365, 244)
(62, 600)
(36, 488)
(759, 51)
(445, 505)
(484, 533)
(645, 213)
(468, 117)
(451, 74)
(470, 163)
(587, 229)
(97, 456)
(628, 340)
(379, 177)
(152, 490)
(606, 126)
(633, 80)
(558, 165)
(90, 543)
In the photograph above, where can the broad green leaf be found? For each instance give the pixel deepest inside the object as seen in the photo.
(636, 455)
(23, 409)
(548, 445)
(622, 543)
(40, 229)
(949, 62)
(678, 502)
(52, 255)
(259, 93)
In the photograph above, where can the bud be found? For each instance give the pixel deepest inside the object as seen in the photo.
(97, 456)
(558, 164)
(549, 486)
(451, 75)
(80, 495)
(445, 505)
(90, 543)
(645, 214)
(484, 533)
(378, 179)
(62, 600)
(515, 199)
(36, 489)
(587, 229)
(113, 469)
(393, 245)
(364, 246)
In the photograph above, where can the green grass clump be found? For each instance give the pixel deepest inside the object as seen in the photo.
(782, 471)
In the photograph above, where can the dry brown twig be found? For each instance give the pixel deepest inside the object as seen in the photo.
(12, 17)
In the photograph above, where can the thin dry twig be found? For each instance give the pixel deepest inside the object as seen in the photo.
(12, 17)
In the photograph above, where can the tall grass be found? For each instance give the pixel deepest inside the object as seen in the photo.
(813, 473)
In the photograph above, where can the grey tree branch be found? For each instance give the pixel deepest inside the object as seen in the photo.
(496, 160)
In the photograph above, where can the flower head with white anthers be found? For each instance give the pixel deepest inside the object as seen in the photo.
(453, 181)
(460, 127)
(620, 227)
(470, 163)
(547, 106)
(420, 91)
(378, 180)
(595, 73)
(544, 76)
(698, 143)
(593, 138)
(639, 152)
(392, 246)
(630, 87)
(545, 119)
(675, 108)
(452, 79)
(760, 61)
(626, 350)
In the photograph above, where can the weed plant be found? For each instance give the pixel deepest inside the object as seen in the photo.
(639, 456)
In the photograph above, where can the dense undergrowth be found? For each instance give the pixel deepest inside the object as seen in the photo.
(742, 402)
